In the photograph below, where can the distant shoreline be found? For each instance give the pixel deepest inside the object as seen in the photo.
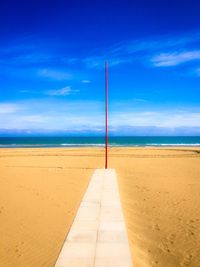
(82, 142)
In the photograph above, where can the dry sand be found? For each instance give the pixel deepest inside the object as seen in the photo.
(160, 192)
(40, 190)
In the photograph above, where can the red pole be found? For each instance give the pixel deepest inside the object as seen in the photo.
(106, 115)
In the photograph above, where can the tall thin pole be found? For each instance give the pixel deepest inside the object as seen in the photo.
(106, 115)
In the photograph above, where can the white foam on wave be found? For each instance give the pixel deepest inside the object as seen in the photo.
(98, 145)
(82, 145)
(177, 144)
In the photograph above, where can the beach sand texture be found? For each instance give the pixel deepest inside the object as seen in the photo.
(160, 192)
(40, 190)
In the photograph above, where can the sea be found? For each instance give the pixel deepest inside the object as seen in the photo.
(114, 141)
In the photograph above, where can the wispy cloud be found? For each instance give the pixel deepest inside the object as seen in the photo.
(55, 74)
(142, 50)
(89, 115)
(165, 118)
(61, 92)
(24, 55)
(174, 59)
(157, 51)
(64, 91)
(54, 114)
(32, 118)
(85, 81)
(156, 43)
(99, 61)
(9, 108)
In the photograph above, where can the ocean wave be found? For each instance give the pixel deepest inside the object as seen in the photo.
(98, 145)
(177, 144)
(26, 145)
(82, 144)
(50, 145)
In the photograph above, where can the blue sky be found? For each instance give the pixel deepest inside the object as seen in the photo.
(52, 57)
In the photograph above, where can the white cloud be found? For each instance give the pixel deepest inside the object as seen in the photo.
(60, 92)
(173, 118)
(56, 114)
(9, 108)
(86, 81)
(99, 61)
(173, 59)
(156, 43)
(55, 74)
(140, 50)
(59, 114)
(57, 92)
(32, 118)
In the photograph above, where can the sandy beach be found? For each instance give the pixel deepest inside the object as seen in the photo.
(40, 191)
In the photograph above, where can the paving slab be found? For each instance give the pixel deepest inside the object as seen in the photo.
(98, 235)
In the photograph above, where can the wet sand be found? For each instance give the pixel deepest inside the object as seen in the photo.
(40, 190)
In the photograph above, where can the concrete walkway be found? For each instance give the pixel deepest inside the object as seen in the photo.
(98, 237)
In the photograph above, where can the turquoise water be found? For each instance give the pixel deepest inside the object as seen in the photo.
(99, 141)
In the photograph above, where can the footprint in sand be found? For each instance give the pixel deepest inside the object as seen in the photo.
(170, 239)
(179, 219)
(187, 260)
(165, 246)
(156, 227)
(17, 252)
(19, 248)
(1, 209)
(191, 227)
